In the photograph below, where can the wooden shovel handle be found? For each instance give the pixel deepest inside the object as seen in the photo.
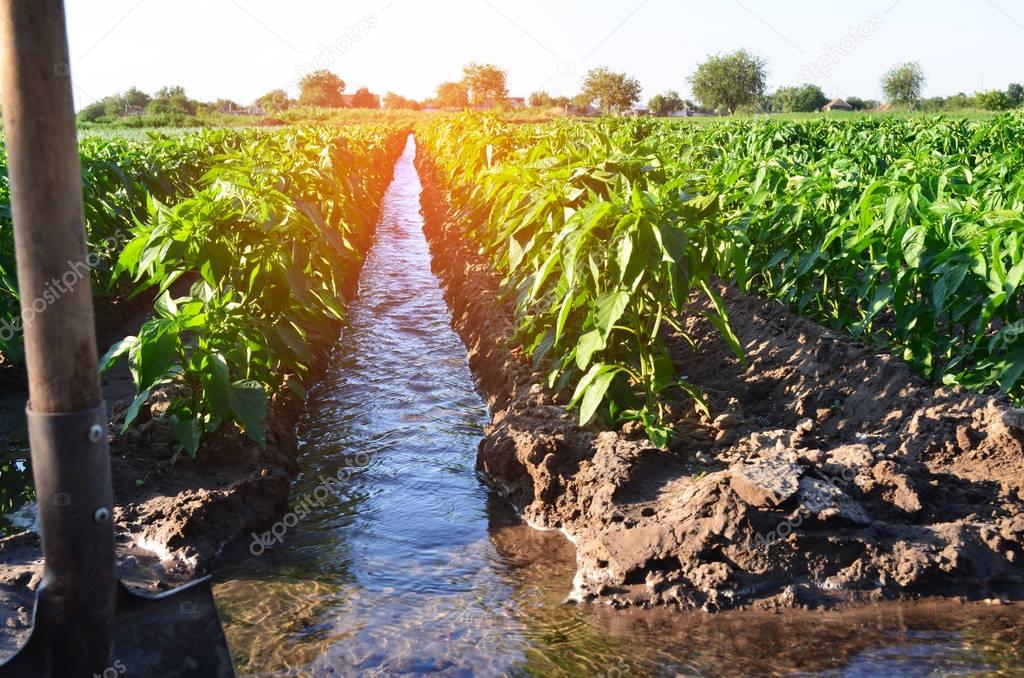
(46, 199)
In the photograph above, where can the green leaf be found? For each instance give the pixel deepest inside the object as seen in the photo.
(299, 284)
(563, 314)
(249, 403)
(720, 319)
(294, 341)
(331, 304)
(699, 401)
(1013, 370)
(128, 261)
(913, 246)
(216, 381)
(591, 390)
(610, 307)
(155, 355)
(189, 432)
(515, 253)
(133, 410)
(623, 255)
(116, 351)
(589, 344)
(166, 306)
(947, 285)
(595, 396)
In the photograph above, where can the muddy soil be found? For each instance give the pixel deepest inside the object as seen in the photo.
(829, 475)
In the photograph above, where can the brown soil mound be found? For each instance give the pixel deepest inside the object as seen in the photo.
(829, 474)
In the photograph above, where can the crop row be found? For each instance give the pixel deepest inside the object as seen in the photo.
(269, 241)
(119, 179)
(905, 233)
(249, 243)
(909, 234)
(600, 251)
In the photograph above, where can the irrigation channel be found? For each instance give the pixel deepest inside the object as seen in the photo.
(396, 559)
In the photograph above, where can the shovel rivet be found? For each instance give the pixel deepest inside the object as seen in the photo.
(101, 515)
(95, 433)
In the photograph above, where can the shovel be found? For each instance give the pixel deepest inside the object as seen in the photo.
(85, 623)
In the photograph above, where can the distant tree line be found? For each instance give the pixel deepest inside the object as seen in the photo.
(168, 101)
(724, 84)
(730, 83)
(173, 106)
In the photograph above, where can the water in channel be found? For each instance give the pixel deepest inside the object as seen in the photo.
(396, 560)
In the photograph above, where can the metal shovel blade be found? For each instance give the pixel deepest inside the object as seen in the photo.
(177, 633)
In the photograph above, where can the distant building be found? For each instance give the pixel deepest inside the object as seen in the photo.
(252, 110)
(133, 111)
(837, 105)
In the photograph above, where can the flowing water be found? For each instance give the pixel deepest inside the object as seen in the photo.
(395, 559)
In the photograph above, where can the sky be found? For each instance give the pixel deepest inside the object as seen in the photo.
(240, 49)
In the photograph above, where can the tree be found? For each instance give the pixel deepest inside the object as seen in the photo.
(759, 105)
(610, 91)
(1015, 94)
(862, 104)
(321, 88)
(364, 98)
(541, 100)
(903, 84)
(224, 106)
(94, 111)
(957, 102)
(666, 104)
(485, 84)
(172, 101)
(996, 100)
(116, 105)
(133, 97)
(730, 80)
(451, 95)
(581, 101)
(274, 100)
(801, 99)
(395, 102)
